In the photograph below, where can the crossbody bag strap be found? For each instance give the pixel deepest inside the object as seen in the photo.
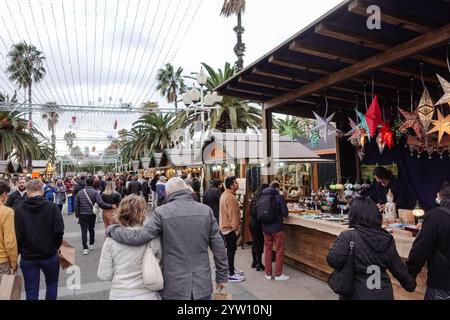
(90, 201)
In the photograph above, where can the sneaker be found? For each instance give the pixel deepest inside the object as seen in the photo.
(281, 277)
(239, 272)
(85, 251)
(91, 247)
(268, 277)
(236, 278)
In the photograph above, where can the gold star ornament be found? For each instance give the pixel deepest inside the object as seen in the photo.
(441, 125)
(425, 110)
(446, 87)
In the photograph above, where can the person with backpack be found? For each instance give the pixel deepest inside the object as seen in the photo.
(432, 246)
(270, 211)
(256, 231)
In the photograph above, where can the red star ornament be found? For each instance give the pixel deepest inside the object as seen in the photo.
(373, 116)
(387, 136)
(411, 121)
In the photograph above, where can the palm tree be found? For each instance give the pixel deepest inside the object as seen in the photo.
(5, 99)
(70, 137)
(234, 113)
(25, 67)
(170, 83)
(236, 7)
(293, 127)
(52, 118)
(150, 105)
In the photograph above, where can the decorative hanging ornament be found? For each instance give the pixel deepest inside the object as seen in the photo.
(314, 139)
(325, 125)
(396, 129)
(363, 124)
(425, 110)
(357, 134)
(115, 124)
(373, 116)
(74, 119)
(380, 143)
(446, 87)
(411, 121)
(441, 125)
(387, 136)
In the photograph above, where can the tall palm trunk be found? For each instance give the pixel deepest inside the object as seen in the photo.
(53, 141)
(30, 114)
(239, 48)
(30, 118)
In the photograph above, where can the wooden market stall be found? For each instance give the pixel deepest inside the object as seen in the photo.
(337, 65)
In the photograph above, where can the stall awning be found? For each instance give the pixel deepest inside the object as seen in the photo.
(338, 56)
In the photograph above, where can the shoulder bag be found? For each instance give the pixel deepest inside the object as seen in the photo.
(95, 207)
(151, 271)
(341, 281)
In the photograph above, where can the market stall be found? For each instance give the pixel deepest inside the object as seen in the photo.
(384, 89)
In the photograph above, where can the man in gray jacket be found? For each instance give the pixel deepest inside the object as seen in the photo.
(187, 229)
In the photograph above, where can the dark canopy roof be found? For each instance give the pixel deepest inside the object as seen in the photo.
(338, 56)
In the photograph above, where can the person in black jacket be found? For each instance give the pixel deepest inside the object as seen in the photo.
(257, 231)
(146, 189)
(39, 231)
(112, 197)
(432, 246)
(212, 197)
(18, 195)
(374, 253)
(134, 187)
(153, 189)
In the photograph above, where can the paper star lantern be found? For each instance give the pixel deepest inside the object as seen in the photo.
(441, 125)
(425, 110)
(324, 124)
(446, 87)
(363, 124)
(380, 143)
(353, 125)
(411, 121)
(373, 116)
(387, 136)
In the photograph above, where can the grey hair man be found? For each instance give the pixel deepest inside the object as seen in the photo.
(188, 229)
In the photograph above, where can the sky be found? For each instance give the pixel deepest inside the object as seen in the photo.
(108, 52)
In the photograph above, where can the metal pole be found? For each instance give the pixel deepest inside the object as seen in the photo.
(201, 141)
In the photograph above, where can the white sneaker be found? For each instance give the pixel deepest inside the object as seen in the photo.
(85, 251)
(236, 278)
(282, 277)
(239, 272)
(268, 277)
(91, 247)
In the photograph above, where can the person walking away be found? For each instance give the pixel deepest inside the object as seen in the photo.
(134, 187)
(70, 197)
(49, 191)
(161, 190)
(146, 189)
(372, 247)
(8, 243)
(84, 204)
(432, 246)
(122, 264)
(212, 197)
(257, 231)
(187, 229)
(271, 209)
(196, 185)
(112, 197)
(18, 195)
(153, 183)
(60, 195)
(101, 184)
(39, 230)
(230, 224)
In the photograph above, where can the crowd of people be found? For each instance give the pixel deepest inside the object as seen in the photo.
(168, 216)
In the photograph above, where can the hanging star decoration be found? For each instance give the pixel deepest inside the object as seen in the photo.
(357, 134)
(396, 129)
(363, 124)
(446, 87)
(425, 110)
(325, 125)
(314, 139)
(387, 136)
(441, 125)
(373, 116)
(380, 143)
(411, 121)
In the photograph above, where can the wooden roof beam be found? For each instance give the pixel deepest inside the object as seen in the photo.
(290, 64)
(389, 56)
(367, 41)
(360, 8)
(263, 84)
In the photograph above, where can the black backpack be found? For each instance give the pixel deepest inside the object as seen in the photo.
(267, 209)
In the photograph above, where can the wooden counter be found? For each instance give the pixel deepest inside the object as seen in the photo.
(308, 242)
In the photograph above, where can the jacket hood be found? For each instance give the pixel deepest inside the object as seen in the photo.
(180, 195)
(270, 191)
(445, 203)
(376, 238)
(34, 204)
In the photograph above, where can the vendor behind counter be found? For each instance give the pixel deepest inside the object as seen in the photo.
(385, 181)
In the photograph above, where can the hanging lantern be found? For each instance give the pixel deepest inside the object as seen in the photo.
(380, 143)
(425, 110)
(387, 136)
(115, 125)
(74, 120)
(373, 116)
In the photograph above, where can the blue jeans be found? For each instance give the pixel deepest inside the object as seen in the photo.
(31, 271)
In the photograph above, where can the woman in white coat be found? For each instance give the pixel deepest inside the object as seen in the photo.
(122, 264)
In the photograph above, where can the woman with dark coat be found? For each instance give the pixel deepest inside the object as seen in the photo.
(374, 250)
(257, 232)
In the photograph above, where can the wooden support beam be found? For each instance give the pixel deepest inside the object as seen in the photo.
(231, 88)
(276, 75)
(394, 54)
(290, 64)
(263, 84)
(414, 24)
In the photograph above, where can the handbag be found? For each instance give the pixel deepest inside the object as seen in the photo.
(95, 207)
(10, 287)
(151, 271)
(341, 281)
(66, 255)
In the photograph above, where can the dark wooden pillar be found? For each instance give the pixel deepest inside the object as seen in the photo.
(267, 141)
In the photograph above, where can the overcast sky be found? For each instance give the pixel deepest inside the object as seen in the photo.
(108, 51)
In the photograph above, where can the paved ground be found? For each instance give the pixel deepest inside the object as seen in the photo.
(255, 287)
